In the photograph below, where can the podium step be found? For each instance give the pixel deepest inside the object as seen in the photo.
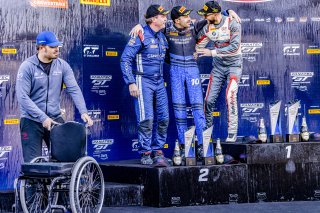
(6, 200)
(120, 194)
(182, 186)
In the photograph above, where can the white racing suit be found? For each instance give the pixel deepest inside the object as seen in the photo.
(227, 67)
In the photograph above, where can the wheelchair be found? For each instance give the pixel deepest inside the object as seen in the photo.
(69, 182)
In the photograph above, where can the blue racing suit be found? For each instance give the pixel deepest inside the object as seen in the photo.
(142, 63)
(184, 74)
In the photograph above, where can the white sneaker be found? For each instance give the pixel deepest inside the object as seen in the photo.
(231, 138)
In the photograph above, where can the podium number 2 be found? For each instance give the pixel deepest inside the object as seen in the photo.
(203, 175)
(288, 148)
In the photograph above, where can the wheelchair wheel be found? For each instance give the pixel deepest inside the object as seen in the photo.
(34, 193)
(87, 187)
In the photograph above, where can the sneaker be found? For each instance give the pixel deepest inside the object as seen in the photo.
(231, 138)
(200, 152)
(160, 161)
(146, 158)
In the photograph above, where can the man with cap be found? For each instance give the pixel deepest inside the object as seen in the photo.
(227, 62)
(39, 84)
(181, 34)
(142, 67)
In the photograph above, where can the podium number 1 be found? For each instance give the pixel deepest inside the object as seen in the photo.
(203, 175)
(288, 148)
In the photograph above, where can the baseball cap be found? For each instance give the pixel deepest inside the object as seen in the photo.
(178, 11)
(48, 38)
(154, 10)
(210, 7)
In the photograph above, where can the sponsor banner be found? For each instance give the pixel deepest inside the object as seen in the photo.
(96, 2)
(251, 50)
(244, 81)
(314, 111)
(113, 117)
(49, 3)
(11, 121)
(100, 83)
(4, 78)
(251, 111)
(9, 51)
(91, 51)
(300, 80)
(263, 82)
(4, 151)
(291, 49)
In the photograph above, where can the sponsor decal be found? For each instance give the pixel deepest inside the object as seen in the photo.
(111, 53)
(313, 51)
(11, 121)
(251, 111)
(244, 81)
(173, 33)
(91, 51)
(135, 145)
(263, 82)
(251, 50)
(290, 19)
(303, 19)
(249, 1)
(4, 150)
(300, 80)
(291, 49)
(100, 83)
(215, 114)
(96, 2)
(113, 117)
(204, 82)
(49, 3)
(259, 19)
(7, 51)
(166, 146)
(95, 115)
(278, 19)
(314, 111)
(315, 19)
(4, 78)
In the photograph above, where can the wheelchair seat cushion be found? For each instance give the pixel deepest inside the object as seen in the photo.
(46, 169)
(68, 141)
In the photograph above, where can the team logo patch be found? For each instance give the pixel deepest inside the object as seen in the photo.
(205, 7)
(160, 9)
(182, 9)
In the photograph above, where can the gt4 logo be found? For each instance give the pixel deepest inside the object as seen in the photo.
(99, 82)
(101, 146)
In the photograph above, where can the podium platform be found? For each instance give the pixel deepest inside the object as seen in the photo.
(280, 171)
(175, 186)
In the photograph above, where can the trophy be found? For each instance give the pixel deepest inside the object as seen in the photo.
(208, 158)
(304, 133)
(292, 121)
(262, 132)
(218, 153)
(177, 159)
(190, 147)
(275, 122)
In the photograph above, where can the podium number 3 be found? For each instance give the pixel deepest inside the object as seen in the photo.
(203, 175)
(288, 148)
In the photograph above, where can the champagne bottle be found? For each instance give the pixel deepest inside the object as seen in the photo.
(218, 152)
(177, 160)
(262, 132)
(304, 133)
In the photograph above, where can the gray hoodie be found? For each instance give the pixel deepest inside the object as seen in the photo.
(39, 94)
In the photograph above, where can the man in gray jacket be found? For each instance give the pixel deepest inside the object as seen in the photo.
(39, 84)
